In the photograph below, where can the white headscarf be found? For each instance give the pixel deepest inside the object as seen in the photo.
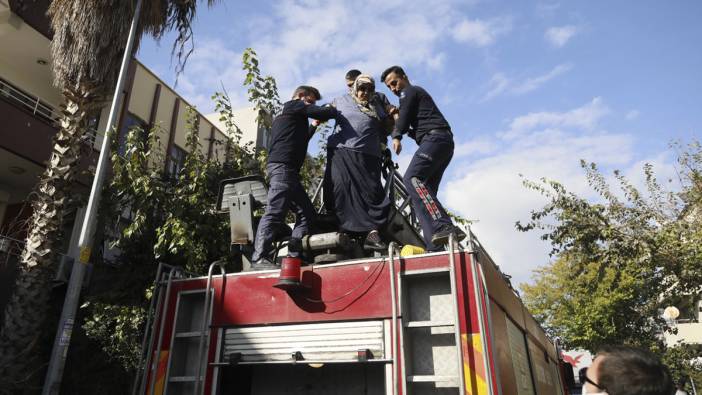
(365, 106)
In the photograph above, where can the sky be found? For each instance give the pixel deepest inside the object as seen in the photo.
(529, 88)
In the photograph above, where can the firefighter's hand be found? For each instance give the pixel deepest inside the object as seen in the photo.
(397, 146)
(316, 122)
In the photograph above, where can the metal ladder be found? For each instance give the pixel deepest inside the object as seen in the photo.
(152, 342)
(434, 364)
(206, 325)
(148, 364)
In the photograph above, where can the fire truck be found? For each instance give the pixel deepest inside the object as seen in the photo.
(397, 323)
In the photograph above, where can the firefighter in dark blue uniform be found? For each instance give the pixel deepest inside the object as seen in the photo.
(433, 135)
(290, 134)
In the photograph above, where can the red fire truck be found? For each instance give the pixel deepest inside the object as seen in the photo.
(436, 323)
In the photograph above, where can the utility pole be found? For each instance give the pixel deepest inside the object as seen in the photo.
(52, 383)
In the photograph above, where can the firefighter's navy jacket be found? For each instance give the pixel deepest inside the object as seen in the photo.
(418, 110)
(290, 132)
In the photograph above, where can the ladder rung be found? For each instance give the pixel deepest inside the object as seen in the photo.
(420, 272)
(182, 379)
(428, 324)
(188, 334)
(430, 378)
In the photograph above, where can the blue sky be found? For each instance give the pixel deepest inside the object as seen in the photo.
(528, 87)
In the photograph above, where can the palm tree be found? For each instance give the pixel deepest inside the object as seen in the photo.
(88, 43)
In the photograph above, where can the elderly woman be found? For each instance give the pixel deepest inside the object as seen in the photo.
(353, 190)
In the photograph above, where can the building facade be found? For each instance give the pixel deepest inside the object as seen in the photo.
(30, 108)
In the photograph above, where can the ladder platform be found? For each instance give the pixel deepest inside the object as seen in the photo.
(428, 324)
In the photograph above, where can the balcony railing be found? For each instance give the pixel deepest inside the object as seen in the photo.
(39, 108)
(28, 102)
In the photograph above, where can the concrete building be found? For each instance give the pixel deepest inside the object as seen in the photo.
(689, 328)
(29, 109)
(245, 119)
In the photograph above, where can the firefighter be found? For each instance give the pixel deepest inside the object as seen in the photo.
(290, 134)
(434, 138)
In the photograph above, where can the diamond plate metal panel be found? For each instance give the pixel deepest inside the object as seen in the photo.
(431, 389)
(429, 298)
(432, 354)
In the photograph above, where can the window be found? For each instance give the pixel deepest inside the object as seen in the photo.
(92, 128)
(130, 122)
(176, 160)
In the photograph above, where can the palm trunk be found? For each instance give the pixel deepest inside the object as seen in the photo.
(26, 311)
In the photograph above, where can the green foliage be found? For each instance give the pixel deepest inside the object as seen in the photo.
(262, 91)
(160, 218)
(119, 330)
(312, 171)
(192, 233)
(621, 260)
(155, 217)
(683, 363)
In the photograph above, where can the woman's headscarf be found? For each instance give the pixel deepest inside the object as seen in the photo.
(365, 106)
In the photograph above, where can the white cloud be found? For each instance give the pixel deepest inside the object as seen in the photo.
(545, 144)
(490, 190)
(316, 42)
(631, 115)
(500, 84)
(531, 84)
(437, 62)
(560, 35)
(481, 33)
(584, 117)
(477, 146)
(547, 10)
(210, 67)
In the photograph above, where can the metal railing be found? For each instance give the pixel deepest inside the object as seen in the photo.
(38, 107)
(394, 189)
(28, 102)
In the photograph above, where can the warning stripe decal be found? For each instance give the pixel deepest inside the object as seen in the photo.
(161, 373)
(473, 368)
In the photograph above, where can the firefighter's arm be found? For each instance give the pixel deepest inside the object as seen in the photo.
(396, 145)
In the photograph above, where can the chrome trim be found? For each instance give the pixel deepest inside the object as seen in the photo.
(206, 320)
(159, 343)
(456, 320)
(393, 324)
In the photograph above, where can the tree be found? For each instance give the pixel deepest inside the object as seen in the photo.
(154, 219)
(621, 260)
(262, 91)
(89, 39)
(263, 94)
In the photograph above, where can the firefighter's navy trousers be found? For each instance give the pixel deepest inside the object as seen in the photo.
(285, 193)
(422, 180)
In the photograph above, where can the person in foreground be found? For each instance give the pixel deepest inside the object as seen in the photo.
(354, 163)
(624, 370)
(290, 135)
(433, 135)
